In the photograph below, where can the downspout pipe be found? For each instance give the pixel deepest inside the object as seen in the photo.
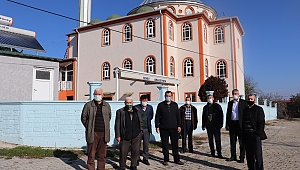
(77, 66)
(161, 45)
(231, 50)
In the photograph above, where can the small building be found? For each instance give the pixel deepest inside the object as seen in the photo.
(25, 77)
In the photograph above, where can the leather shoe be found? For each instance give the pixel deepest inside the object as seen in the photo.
(241, 161)
(179, 163)
(133, 168)
(220, 156)
(231, 159)
(165, 163)
(146, 162)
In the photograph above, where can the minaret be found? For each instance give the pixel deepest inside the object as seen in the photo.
(85, 7)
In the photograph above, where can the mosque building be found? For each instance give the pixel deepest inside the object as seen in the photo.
(175, 39)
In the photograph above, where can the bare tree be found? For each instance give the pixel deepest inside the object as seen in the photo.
(251, 86)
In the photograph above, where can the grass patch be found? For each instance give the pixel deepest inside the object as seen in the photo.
(200, 137)
(155, 144)
(32, 152)
(198, 142)
(225, 132)
(112, 154)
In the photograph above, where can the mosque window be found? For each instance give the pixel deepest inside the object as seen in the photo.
(171, 30)
(127, 64)
(150, 28)
(219, 35)
(206, 68)
(221, 69)
(188, 69)
(189, 10)
(106, 71)
(205, 33)
(172, 9)
(186, 32)
(150, 64)
(127, 33)
(106, 36)
(172, 67)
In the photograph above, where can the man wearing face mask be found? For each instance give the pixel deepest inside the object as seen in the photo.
(212, 121)
(147, 116)
(128, 131)
(189, 121)
(95, 117)
(168, 124)
(253, 132)
(234, 118)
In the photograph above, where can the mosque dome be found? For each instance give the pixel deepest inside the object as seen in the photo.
(145, 2)
(113, 16)
(95, 21)
(141, 9)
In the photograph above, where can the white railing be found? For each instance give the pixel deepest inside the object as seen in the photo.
(65, 85)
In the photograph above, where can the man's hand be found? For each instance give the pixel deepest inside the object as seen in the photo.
(179, 129)
(157, 130)
(227, 127)
(118, 139)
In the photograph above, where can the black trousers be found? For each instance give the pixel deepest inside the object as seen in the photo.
(214, 132)
(165, 134)
(235, 133)
(124, 146)
(253, 151)
(187, 131)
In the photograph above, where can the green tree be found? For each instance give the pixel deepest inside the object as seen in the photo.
(293, 107)
(219, 86)
(251, 86)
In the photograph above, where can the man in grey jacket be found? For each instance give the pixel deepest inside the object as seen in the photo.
(95, 117)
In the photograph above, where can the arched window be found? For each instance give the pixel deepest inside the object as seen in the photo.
(189, 11)
(172, 67)
(188, 67)
(219, 35)
(127, 64)
(206, 68)
(150, 28)
(150, 64)
(171, 31)
(127, 33)
(205, 33)
(172, 9)
(221, 69)
(106, 36)
(106, 71)
(186, 32)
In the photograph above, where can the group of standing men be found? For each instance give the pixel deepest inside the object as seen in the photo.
(244, 120)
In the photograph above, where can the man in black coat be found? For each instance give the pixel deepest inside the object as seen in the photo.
(212, 121)
(234, 118)
(168, 124)
(253, 133)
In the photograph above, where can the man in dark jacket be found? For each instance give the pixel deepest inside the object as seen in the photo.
(147, 116)
(128, 131)
(253, 133)
(95, 117)
(167, 123)
(189, 121)
(234, 118)
(212, 121)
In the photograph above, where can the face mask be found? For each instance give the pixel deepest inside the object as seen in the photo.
(97, 98)
(235, 97)
(144, 103)
(168, 99)
(188, 102)
(210, 100)
(128, 106)
(250, 103)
